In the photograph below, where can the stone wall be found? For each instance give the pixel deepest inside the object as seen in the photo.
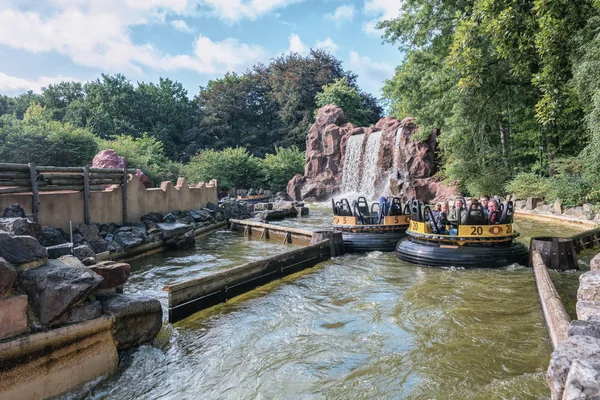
(58, 208)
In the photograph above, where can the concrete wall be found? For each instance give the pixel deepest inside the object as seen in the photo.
(58, 208)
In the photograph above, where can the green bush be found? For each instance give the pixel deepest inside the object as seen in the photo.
(37, 138)
(280, 167)
(527, 184)
(145, 153)
(232, 168)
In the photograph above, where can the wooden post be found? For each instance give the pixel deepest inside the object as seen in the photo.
(557, 253)
(35, 194)
(86, 195)
(124, 194)
(335, 238)
(556, 317)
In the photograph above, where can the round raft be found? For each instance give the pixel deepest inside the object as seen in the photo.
(474, 246)
(365, 228)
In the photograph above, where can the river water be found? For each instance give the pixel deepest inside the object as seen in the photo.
(358, 326)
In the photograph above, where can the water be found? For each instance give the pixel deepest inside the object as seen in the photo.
(358, 326)
(370, 167)
(352, 164)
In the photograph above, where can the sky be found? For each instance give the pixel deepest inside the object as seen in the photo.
(192, 41)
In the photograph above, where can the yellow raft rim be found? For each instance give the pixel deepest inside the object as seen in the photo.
(390, 223)
(467, 234)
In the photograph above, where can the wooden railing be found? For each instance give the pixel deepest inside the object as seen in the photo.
(29, 178)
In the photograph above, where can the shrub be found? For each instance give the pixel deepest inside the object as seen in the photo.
(527, 184)
(280, 167)
(232, 168)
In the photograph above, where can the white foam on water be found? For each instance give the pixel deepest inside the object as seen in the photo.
(370, 167)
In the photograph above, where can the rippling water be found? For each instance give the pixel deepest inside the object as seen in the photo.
(358, 326)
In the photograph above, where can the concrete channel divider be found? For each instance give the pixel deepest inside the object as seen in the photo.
(555, 315)
(187, 298)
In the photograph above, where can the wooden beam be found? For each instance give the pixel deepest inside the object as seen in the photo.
(114, 171)
(124, 194)
(15, 190)
(10, 167)
(35, 194)
(14, 175)
(86, 195)
(555, 315)
(280, 228)
(59, 169)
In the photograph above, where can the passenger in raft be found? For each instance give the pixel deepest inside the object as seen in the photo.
(440, 216)
(384, 208)
(485, 201)
(494, 213)
(477, 217)
(454, 214)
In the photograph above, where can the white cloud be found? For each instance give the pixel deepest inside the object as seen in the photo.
(371, 74)
(327, 44)
(296, 45)
(96, 33)
(341, 14)
(236, 10)
(10, 83)
(181, 25)
(382, 10)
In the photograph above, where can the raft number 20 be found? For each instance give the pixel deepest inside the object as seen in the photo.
(476, 230)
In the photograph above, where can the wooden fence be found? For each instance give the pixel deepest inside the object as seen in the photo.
(29, 178)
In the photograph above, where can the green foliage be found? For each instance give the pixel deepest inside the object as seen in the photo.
(231, 167)
(37, 138)
(280, 167)
(350, 100)
(145, 153)
(527, 184)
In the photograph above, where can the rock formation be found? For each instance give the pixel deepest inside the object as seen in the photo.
(384, 159)
(110, 159)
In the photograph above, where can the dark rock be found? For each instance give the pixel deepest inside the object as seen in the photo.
(52, 236)
(201, 215)
(284, 196)
(8, 275)
(83, 251)
(59, 250)
(128, 239)
(124, 229)
(78, 238)
(89, 232)
(212, 206)
(263, 206)
(591, 327)
(150, 220)
(56, 286)
(88, 261)
(108, 228)
(115, 247)
(114, 274)
(21, 227)
(186, 240)
(573, 347)
(99, 246)
(84, 312)
(171, 229)
(153, 237)
(219, 216)
(14, 211)
(172, 216)
(138, 318)
(583, 381)
(21, 249)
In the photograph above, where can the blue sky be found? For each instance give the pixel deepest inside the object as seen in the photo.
(191, 41)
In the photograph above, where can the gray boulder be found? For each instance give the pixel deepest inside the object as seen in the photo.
(171, 229)
(263, 206)
(56, 286)
(520, 204)
(89, 232)
(587, 308)
(14, 211)
(583, 381)
(532, 203)
(21, 249)
(59, 250)
(128, 239)
(150, 220)
(52, 236)
(212, 206)
(576, 212)
(8, 275)
(99, 246)
(186, 240)
(573, 347)
(21, 227)
(138, 318)
(595, 263)
(590, 327)
(84, 251)
(201, 215)
(84, 312)
(589, 286)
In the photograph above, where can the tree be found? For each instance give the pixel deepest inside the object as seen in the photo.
(350, 100)
(280, 167)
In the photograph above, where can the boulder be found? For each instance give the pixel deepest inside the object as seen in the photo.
(89, 232)
(520, 204)
(557, 207)
(590, 327)
(84, 312)
(587, 308)
(219, 216)
(583, 381)
(573, 347)
(595, 263)
(150, 220)
(576, 212)
(14, 211)
(284, 196)
(532, 203)
(84, 251)
(138, 318)
(21, 249)
(589, 286)
(114, 274)
(212, 206)
(587, 207)
(143, 178)
(99, 246)
(263, 206)
(201, 215)
(13, 316)
(56, 286)
(59, 250)
(128, 239)
(8, 275)
(108, 159)
(294, 187)
(52, 236)
(108, 228)
(171, 229)
(186, 240)
(21, 227)
(302, 211)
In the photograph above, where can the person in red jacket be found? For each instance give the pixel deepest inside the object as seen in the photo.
(493, 213)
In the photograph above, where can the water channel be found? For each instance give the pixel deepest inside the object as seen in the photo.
(358, 326)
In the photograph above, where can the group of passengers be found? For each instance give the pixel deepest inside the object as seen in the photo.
(485, 212)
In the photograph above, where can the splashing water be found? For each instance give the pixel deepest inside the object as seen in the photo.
(370, 169)
(352, 164)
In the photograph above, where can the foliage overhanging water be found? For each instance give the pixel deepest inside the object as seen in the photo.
(358, 326)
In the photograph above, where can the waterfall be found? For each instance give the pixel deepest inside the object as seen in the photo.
(370, 166)
(352, 164)
(359, 176)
